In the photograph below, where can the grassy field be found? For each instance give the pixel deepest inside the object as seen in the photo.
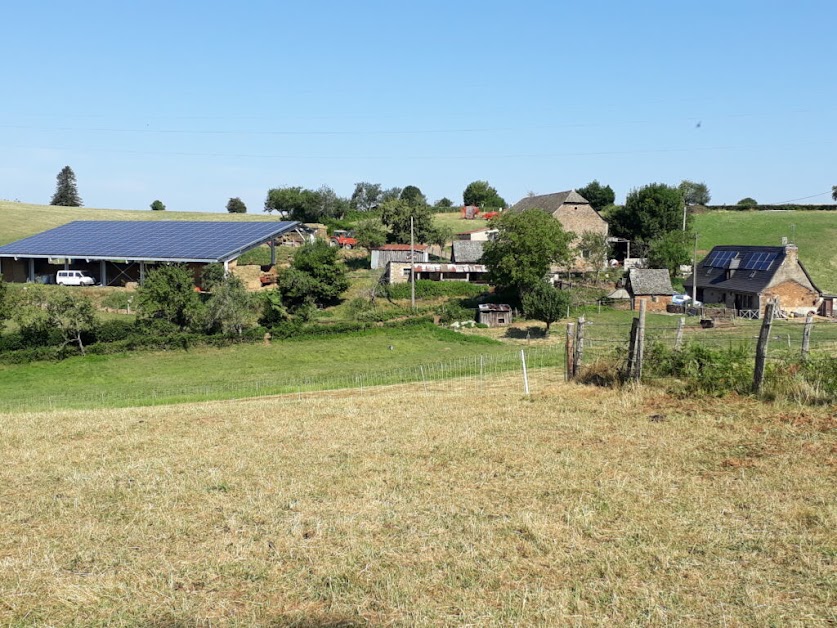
(21, 220)
(104, 380)
(577, 506)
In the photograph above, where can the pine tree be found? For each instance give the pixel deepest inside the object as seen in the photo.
(66, 192)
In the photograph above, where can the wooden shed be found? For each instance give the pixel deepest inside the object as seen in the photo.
(494, 314)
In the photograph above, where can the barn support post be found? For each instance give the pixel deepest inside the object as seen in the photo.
(31, 272)
(226, 267)
(761, 347)
(142, 272)
(103, 272)
(273, 251)
(806, 336)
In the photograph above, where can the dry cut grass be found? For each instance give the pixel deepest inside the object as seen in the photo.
(577, 506)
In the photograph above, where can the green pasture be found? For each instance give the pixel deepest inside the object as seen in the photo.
(229, 372)
(814, 232)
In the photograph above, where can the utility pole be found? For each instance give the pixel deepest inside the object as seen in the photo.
(684, 216)
(694, 273)
(412, 267)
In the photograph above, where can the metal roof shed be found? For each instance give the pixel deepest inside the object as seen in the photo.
(143, 241)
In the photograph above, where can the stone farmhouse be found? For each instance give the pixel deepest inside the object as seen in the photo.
(573, 211)
(747, 277)
(652, 285)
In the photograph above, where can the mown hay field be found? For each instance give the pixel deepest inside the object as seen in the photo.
(577, 506)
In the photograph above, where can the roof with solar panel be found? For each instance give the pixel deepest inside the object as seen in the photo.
(162, 241)
(741, 268)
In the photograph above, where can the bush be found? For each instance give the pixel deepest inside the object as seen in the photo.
(452, 312)
(426, 289)
(119, 300)
(114, 330)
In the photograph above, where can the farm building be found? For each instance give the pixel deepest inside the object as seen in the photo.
(465, 252)
(494, 314)
(387, 253)
(118, 252)
(745, 278)
(652, 285)
(572, 210)
(477, 235)
(399, 272)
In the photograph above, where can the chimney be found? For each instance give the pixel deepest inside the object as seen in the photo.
(791, 252)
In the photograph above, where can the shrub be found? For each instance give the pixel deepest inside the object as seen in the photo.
(114, 330)
(426, 289)
(119, 300)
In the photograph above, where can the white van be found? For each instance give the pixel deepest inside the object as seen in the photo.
(73, 278)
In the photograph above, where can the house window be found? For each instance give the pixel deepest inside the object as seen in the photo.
(653, 298)
(405, 272)
(500, 319)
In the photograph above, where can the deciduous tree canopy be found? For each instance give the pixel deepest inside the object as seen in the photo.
(599, 196)
(413, 195)
(545, 303)
(158, 206)
(527, 244)
(396, 216)
(649, 213)
(481, 194)
(236, 206)
(694, 193)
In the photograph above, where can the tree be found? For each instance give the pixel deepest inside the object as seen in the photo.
(236, 206)
(694, 193)
(649, 213)
(168, 293)
(544, 303)
(444, 202)
(66, 191)
(295, 202)
(527, 244)
(392, 194)
(441, 236)
(211, 276)
(366, 196)
(748, 203)
(595, 249)
(598, 195)
(669, 251)
(329, 204)
(396, 216)
(230, 308)
(370, 233)
(412, 195)
(317, 274)
(73, 315)
(40, 313)
(834, 192)
(158, 206)
(481, 194)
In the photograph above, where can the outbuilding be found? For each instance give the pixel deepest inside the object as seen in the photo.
(494, 314)
(116, 252)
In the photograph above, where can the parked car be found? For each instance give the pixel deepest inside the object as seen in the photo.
(73, 278)
(684, 299)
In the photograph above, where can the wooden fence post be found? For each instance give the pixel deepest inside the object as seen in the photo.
(640, 342)
(761, 347)
(806, 336)
(578, 354)
(629, 369)
(568, 354)
(678, 340)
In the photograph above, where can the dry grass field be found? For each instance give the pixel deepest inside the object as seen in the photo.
(577, 506)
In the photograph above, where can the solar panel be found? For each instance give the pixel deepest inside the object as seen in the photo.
(719, 259)
(163, 240)
(759, 261)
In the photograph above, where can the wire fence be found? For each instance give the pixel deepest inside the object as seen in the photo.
(475, 372)
(543, 365)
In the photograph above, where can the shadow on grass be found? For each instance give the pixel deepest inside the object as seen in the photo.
(522, 333)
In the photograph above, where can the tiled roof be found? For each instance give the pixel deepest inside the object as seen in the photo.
(401, 247)
(654, 281)
(467, 251)
(549, 202)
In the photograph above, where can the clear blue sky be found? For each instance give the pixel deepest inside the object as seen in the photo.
(193, 103)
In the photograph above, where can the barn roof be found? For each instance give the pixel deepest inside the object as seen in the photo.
(741, 268)
(159, 240)
(400, 247)
(467, 251)
(653, 281)
(549, 202)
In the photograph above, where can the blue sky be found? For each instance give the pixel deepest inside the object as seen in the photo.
(193, 103)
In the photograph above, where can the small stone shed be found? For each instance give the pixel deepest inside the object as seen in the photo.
(383, 255)
(494, 314)
(652, 285)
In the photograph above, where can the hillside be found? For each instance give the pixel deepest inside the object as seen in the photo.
(20, 220)
(815, 233)
(402, 506)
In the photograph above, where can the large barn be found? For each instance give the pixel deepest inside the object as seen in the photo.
(117, 252)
